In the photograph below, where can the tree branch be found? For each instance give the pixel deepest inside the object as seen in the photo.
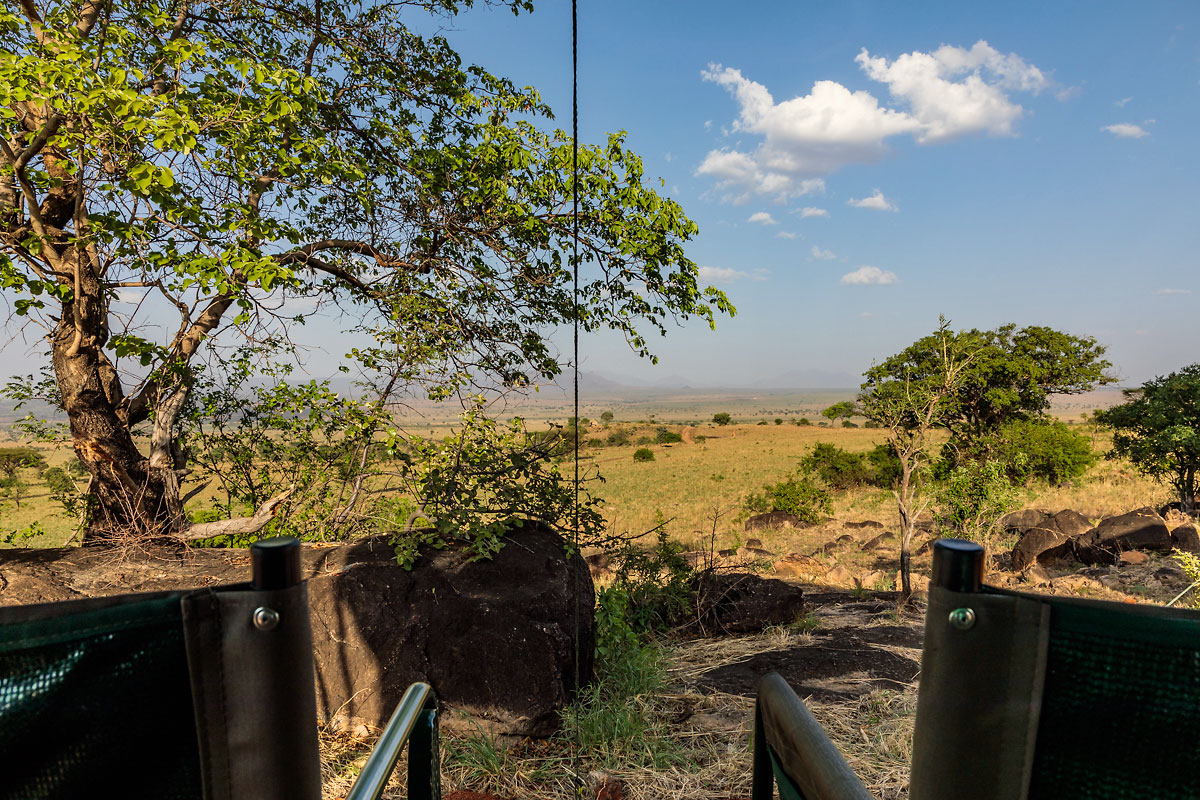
(238, 526)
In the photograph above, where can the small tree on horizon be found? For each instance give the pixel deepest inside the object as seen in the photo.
(722, 418)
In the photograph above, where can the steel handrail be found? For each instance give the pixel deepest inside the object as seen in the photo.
(417, 700)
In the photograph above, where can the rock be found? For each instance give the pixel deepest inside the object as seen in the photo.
(1070, 523)
(875, 579)
(844, 538)
(727, 553)
(752, 542)
(1133, 558)
(838, 576)
(756, 553)
(1173, 516)
(694, 558)
(1142, 529)
(918, 582)
(927, 546)
(875, 543)
(773, 521)
(1087, 553)
(1036, 575)
(1023, 520)
(456, 624)
(1186, 537)
(735, 602)
(1040, 546)
(795, 565)
(869, 523)
(1076, 583)
(459, 625)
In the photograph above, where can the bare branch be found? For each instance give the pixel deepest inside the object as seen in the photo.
(238, 526)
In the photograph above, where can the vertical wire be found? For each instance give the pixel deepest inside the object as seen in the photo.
(577, 557)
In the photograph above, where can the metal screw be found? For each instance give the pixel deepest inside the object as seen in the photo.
(266, 619)
(962, 618)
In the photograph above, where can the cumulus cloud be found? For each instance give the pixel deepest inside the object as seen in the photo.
(823, 255)
(1121, 103)
(950, 92)
(869, 276)
(787, 235)
(762, 218)
(809, 211)
(727, 275)
(1174, 291)
(876, 202)
(1126, 130)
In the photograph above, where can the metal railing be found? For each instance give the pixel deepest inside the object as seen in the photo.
(414, 722)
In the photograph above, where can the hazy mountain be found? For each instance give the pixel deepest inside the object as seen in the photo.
(810, 379)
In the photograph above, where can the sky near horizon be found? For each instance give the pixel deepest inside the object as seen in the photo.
(859, 168)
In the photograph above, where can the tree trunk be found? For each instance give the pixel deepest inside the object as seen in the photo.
(903, 503)
(132, 499)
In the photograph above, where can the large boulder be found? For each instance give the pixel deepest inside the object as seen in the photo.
(495, 639)
(1023, 520)
(1186, 537)
(1041, 545)
(1142, 529)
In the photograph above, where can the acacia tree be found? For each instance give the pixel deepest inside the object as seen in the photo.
(1158, 429)
(908, 395)
(216, 161)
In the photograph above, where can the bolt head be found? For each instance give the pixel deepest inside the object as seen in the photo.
(962, 618)
(266, 619)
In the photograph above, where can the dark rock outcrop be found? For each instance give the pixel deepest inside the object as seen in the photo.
(495, 638)
(735, 602)
(774, 520)
(1142, 529)
(1186, 537)
(462, 626)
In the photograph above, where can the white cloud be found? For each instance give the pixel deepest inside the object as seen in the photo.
(1126, 130)
(876, 202)
(954, 91)
(1121, 103)
(787, 235)
(823, 255)
(865, 314)
(869, 276)
(669, 157)
(1174, 291)
(727, 275)
(762, 218)
(809, 211)
(950, 92)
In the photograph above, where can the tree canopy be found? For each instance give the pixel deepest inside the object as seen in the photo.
(1011, 376)
(179, 175)
(1158, 429)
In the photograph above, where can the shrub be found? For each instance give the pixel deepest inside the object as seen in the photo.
(595, 442)
(761, 422)
(1037, 449)
(606, 417)
(838, 468)
(643, 454)
(664, 436)
(885, 466)
(722, 418)
(618, 438)
(803, 421)
(778, 421)
(972, 498)
(848, 424)
(798, 495)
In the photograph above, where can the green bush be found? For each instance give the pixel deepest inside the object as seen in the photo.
(722, 418)
(1027, 449)
(885, 466)
(803, 421)
(778, 421)
(798, 495)
(643, 454)
(761, 422)
(618, 438)
(664, 436)
(972, 498)
(838, 468)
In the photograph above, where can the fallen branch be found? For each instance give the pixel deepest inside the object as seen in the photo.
(238, 526)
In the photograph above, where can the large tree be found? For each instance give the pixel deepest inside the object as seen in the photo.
(1158, 429)
(220, 160)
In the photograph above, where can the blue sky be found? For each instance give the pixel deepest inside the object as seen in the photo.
(1028, 163)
